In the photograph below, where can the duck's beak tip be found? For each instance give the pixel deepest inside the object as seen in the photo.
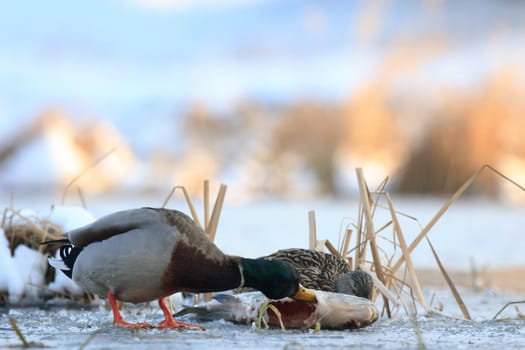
(304, 294)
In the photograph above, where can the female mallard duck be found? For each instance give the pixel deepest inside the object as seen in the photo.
(140, 255)
(326, 272)
(330, 310)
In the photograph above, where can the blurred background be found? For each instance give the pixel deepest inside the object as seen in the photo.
(280, 99)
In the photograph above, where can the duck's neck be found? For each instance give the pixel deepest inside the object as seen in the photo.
(202, 274)
(252, 275)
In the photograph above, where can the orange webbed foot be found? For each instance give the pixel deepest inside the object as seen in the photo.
(170, 322)
(140, 325)
(117, 317)
(176, 324)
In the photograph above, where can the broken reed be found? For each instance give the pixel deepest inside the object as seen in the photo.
(210, 222)
(386, 269)
(30, 231)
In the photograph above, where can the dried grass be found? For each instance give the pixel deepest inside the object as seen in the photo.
(20, 229)
(515, 303)
(313, 229)
(25, 344)
(30, 231)
(391, 282)
(451, 284)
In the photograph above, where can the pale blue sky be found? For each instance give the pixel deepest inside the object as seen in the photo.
(118, 59)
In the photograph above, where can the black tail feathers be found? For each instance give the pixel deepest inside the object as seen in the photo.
(56, 241)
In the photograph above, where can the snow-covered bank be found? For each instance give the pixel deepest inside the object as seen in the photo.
(23, 272)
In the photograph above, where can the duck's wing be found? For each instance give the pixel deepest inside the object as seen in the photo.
(239, 308)
(114, 224)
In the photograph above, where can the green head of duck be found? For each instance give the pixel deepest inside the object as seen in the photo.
(275, 279)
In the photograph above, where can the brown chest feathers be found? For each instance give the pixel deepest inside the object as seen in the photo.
(197, 264)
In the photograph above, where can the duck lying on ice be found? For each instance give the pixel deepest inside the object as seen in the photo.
(331, 310)
(140, 255)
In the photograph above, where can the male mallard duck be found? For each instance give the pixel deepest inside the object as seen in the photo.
(326, 272)
(140, 255)
(331, 310)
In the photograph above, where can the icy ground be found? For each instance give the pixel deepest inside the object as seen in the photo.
(89, 327)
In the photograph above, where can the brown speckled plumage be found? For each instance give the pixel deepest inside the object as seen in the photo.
(326, 272)
(318, 270)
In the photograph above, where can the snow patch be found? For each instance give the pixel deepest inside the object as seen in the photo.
(68, 217)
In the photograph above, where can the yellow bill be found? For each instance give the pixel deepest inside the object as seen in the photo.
(304, 294)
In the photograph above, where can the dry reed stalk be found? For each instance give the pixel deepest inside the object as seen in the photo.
(188, 201)
(365, 199)
(332, 249)
(384, 227)
(341, 235)
(359, 236)
(507, 305)
(450, 283)
(405, 252)
(346, 243)
(31, 233)
(448, 203)
(19, 333)
(81, 197)
(83, 172)
(398, 285)
(206, 204)
(216, 212)
(28, 221)
(168, 197)
(378, 192)
(387, 294)
(313, 229)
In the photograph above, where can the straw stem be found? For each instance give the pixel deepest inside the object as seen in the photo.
(313, 229)
(406, 253)
(447, 204)
(365, 199)
(331, 248)
(346, 242)
(450, 283)
(206, 203)
(188, 201)
(216, 213)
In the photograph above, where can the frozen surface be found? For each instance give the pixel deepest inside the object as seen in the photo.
(71, 327)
